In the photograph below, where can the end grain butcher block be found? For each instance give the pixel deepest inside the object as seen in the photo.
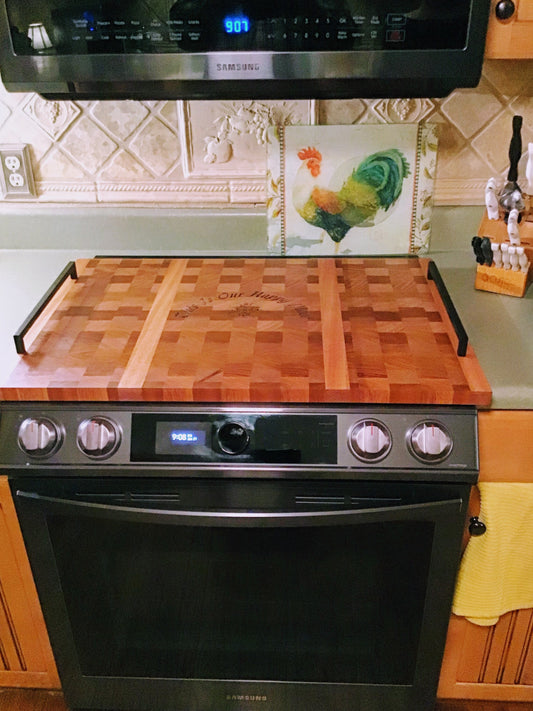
(248, 330)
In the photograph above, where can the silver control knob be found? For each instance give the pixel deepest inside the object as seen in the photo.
(430, 442)
(98, 437)
(39, 436)
(370, 440)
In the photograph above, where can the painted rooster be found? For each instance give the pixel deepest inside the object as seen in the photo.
(373, 187)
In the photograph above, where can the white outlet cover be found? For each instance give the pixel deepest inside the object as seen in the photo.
(12, 163)
(16, 174)
(16, 180)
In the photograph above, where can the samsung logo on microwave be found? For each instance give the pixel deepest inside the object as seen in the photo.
(246, 697)
(254, 67)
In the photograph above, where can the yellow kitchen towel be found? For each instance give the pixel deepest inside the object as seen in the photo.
(496, 572)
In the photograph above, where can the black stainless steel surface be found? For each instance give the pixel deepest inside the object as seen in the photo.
(174, 595)
(213, 558)
(141, 440)
(224, 49)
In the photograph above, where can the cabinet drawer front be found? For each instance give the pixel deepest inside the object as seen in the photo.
(525, 10)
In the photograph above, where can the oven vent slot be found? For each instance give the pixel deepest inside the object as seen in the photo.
(101, 496)
(320, 500)
(129, 497)
(374, 501)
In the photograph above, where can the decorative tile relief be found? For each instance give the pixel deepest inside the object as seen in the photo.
(54, 117)
(213, 153)
(404, 110)
(229, 138)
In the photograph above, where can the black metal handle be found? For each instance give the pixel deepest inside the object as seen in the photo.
(236, 519)
(476, 527)
(68, 271)
(515, 149)
(434, 274)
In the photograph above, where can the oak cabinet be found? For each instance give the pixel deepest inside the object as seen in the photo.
(495, 662)
(511, 38)
(25, 655)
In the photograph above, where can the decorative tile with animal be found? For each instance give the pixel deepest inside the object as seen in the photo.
(364, 189)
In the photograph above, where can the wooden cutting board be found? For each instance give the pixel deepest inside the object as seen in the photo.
(351, 330)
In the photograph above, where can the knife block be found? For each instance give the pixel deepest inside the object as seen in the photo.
(498, 279)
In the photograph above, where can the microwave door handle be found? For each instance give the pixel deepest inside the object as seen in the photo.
(244, 519)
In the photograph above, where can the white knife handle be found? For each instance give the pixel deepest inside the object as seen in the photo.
(512, 227)
(491, 200)
(529, 169)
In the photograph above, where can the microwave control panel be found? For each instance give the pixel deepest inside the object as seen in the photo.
(163, 27)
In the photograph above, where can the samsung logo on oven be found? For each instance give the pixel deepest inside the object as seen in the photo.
(246, 697)
(237, 67)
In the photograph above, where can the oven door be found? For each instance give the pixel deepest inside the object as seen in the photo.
(201, 595)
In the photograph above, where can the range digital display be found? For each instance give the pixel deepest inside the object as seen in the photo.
(180, 437)
(186, 437)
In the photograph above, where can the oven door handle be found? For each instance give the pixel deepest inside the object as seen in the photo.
(424, 510)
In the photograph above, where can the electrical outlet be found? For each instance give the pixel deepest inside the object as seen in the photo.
(16, 175)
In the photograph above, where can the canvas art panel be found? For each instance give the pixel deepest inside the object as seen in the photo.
(364, 189)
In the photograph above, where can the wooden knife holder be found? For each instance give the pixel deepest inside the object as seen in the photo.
(498, 279)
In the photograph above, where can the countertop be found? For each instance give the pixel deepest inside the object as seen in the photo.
(500, 328)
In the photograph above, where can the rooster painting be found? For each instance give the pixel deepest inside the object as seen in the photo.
(362, 200)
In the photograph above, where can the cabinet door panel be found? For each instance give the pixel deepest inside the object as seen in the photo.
(526, 668)
(25, 655)
(489, 662)
(525, 11)
(520, 653)
(10, 653)
(495, 662)
(511, 39)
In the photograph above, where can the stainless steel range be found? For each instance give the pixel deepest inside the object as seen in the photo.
(204, 557)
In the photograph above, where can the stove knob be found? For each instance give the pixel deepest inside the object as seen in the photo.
(370, 440)
(430, 442)
(39, 436)
(233, 438)
(98, 437)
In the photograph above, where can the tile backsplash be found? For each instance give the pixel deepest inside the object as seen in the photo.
(203, 153)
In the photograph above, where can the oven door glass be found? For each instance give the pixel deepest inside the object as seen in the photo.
(243, 580)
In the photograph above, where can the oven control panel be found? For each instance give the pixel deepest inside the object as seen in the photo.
(401, 439)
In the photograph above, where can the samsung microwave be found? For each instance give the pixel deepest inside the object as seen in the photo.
(231, 49)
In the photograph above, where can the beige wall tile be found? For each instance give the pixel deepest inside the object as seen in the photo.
(213, 153)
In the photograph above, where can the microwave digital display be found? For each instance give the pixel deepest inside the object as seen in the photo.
(236, 24)
(165, 27)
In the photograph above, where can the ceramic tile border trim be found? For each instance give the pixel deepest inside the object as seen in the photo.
(239, 191)
(451, 191)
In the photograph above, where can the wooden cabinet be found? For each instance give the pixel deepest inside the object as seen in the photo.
(512, 38)
(25, 655)
(495, 662)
